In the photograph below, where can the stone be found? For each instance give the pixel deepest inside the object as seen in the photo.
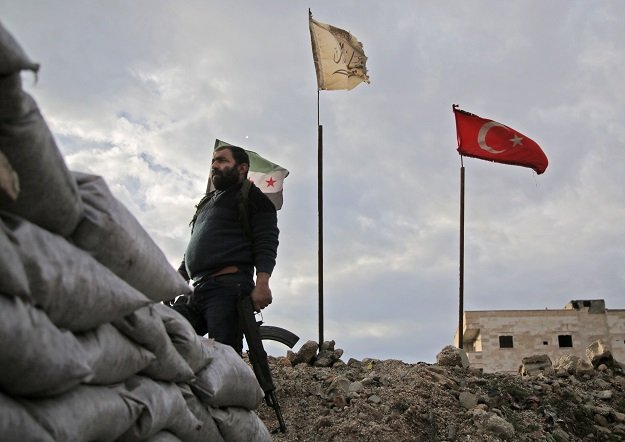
(306, 353)
(340, 383)
(451, 356)
(598, 353)
(500, 427)
(560, 435)
(566, 364)
(374, 399)
(584, 368)
(536, 364)
(356, 387)
(467, 399)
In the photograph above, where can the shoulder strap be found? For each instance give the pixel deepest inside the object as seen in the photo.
(243, 197)
(243, 205)
(203, 201)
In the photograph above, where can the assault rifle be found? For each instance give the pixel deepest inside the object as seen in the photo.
(258, 357)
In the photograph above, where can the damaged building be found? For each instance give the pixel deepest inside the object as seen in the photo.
(498, 340)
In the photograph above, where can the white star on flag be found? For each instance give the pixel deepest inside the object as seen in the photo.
(516, 140)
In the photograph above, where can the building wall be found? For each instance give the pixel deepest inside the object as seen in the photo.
(616, 324)
(536, 332)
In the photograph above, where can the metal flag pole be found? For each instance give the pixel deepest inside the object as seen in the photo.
(320, 214)
(461, 285)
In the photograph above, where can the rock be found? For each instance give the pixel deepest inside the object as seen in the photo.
(328, 355)
(604, 394)
(355, 363)
(374, 399)
(534, 365)
(327, 346)
(598, 353)
(306, 353)
(339, 363)
(500, 427)
(560, 435)
(451, 356)
(601, 420)
(467, 399)
(566, 363)
(340, 383)
(356, 387)
(323, 421)
(339, 402)
(584, 368)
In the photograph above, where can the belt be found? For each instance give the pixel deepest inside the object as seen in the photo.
(228, 270)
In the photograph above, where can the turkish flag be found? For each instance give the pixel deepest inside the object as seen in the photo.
(489, 140)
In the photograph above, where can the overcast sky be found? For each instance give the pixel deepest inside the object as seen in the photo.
(138, 92)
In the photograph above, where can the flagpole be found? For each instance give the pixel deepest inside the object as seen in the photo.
(461, 284)
(320, 212)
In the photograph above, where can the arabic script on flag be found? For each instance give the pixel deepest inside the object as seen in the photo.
(340, 60)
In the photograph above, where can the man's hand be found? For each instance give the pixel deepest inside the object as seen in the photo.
(261, 295)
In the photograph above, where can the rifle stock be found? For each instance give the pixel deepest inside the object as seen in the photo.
(258, 356)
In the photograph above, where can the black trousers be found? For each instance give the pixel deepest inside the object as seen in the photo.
(212, 308)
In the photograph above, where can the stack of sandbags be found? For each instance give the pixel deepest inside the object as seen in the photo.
(87, 352)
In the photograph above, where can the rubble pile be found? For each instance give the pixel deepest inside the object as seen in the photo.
(87, 350)
(568, 400)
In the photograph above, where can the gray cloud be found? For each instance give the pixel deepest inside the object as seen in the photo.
(137, 92)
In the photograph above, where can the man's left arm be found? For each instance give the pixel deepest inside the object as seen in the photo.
(265, 245)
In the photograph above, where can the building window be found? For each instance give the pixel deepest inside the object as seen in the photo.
(565, 341)
(505, 342)
(545, 342)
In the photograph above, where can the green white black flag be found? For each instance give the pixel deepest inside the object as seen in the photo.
(267, 176)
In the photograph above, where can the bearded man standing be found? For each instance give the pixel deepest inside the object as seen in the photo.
(222, 256)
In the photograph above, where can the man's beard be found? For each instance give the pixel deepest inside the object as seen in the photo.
(222, 179)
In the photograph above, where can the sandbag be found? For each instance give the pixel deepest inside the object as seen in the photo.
(12, 98)
(192, 347)
(12, 56)
(14, 280)
(37, 359)
(115, 238)
(75, 291)
(164, 408)
(239, 424)
(227, 381)
(210, 431)
(145, 327)
(17, 425)
(112, 356)
(48, 193)
(85, 413)
(9, 181)
(165, 436)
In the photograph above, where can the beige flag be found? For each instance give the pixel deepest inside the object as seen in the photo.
(340, 61)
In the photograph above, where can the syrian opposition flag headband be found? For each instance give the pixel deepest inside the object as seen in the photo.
(493, 141)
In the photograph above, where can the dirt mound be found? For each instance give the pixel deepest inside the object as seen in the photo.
(389, 400)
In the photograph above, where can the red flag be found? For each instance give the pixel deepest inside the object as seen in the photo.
(492, 141)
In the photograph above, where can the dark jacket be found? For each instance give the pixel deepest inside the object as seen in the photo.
(218, 238)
